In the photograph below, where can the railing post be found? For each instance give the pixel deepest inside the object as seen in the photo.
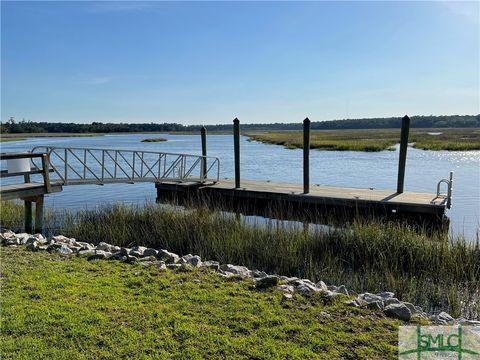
(203, 133)
(403, 153)
(103, 165)
(46, 172)
(306, 155)
(236, 147)
(449, 192)
(66, 167)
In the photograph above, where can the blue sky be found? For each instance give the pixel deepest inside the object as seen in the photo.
(208, 62)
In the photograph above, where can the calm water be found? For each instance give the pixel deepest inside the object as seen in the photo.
(271, 162)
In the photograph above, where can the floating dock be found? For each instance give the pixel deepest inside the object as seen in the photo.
(288, 201)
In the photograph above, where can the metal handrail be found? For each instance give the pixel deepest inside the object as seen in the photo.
(76, 166)
(448, 194)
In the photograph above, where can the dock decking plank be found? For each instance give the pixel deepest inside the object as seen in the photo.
(16, 191)
(325, 191)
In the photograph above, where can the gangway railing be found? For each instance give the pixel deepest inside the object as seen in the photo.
(76, 166)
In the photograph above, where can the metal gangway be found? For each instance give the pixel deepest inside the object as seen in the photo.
(79, 166)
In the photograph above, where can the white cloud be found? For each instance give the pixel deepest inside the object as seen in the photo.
(465, 9)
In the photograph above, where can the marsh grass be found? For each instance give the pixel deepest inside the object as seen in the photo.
(371, 140)
(429, 270)
(154, 140)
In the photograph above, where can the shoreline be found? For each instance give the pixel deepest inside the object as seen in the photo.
(362, 140)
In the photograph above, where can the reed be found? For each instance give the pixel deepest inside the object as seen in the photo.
(428, 270)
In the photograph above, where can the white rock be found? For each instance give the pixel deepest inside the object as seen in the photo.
(398, 311)
(305, 288)
(22, 237)
(369, 298)
(7, 235)
(150, 252)
(212, 265)
(63, 250)
(85, 245)
(195, 261)
(322, 286)
(103, 246)
(99, 255)
(386, 295)
(330, 295)
(168, 257)
(65, 240)
(342, 290)
(286, 288)
(12, 241)
(442, 319)
(32, 245)
(38, 238)
(410, 307)
(138, 251)
(289, 280)
(266, 282)
(85, 252)
(391, 301)
(235, 270)
(258, 274)
(174, 266)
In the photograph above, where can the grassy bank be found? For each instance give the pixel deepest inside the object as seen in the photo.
(375, 139)
(2, 139)
(430, 271)
(154, 140)
(24, 136)
(71, 308)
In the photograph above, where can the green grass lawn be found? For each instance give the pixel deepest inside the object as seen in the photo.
(70, 308)
(374, 139)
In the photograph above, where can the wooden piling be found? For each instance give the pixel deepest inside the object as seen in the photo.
(236, 146)
(306, 156)
(28, 217)
(403, 153)
(203, 133)
(39, 215)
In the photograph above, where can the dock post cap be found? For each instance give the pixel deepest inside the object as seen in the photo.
(406, 117)
(306, 120)
(236, 120)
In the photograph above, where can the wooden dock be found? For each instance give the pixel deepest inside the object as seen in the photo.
(29, 191)
(195, 180)
(288, 201)
(319, 204)
(26, 190)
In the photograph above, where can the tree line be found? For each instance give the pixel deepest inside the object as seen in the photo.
(445, 121)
